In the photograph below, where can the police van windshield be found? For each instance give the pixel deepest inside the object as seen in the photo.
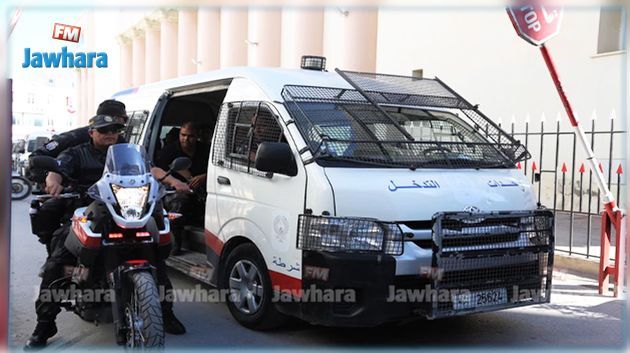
(126, 159)
(343, 129)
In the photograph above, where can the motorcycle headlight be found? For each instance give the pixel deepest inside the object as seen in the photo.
(348, 235)
(131, 201)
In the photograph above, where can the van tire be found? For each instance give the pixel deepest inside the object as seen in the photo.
(266, 316)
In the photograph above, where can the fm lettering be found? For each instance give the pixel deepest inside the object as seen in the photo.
(66, 32)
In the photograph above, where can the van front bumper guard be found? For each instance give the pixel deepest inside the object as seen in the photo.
(480, 262)
(491, 261)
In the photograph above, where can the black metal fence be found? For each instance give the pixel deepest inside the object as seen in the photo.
(567, 184)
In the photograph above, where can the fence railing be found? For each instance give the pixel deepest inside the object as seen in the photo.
(566, 184)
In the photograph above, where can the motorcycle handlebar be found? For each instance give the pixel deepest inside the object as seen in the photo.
(66, 193)
(170, 191)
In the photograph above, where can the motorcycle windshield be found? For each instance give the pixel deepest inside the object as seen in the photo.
(126, 159)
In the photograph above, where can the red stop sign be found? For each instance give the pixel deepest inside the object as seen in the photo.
(536, 23)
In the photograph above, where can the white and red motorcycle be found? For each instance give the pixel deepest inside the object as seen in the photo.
(117, 239)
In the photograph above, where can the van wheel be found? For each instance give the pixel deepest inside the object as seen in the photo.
(247, 278)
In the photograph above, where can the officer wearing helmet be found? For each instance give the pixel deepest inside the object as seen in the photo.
(46, 217)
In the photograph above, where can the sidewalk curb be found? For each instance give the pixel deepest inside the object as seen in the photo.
(575, 265)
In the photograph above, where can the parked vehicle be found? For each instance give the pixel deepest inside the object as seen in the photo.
(375, 184)
(20, 187)
(117, 239)
(22, 149)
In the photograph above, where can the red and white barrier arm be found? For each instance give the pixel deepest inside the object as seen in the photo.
(607, 197)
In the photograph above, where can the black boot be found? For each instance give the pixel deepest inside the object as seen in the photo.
(171, 324)
(43, 331)
(177, 242)
(176, 249)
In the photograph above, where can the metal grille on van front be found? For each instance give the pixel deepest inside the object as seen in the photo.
(491, 261)
(342, 125)
(349, 235)
(404, 90)
(476, 234)
(423, 92)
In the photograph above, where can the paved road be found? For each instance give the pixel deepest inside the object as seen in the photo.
(576, 317)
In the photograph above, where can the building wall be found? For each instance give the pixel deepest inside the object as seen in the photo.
(478, 53)
(473, 49)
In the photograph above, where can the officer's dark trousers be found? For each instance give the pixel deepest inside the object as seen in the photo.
(47, 304)
(47, 220)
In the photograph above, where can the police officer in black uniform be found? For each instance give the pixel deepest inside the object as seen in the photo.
(81, 135)
(46, 217)
(85, 163)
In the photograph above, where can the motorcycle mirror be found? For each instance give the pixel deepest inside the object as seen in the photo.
(44, 162)
(180, 163)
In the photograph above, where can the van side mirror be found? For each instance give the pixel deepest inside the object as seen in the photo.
(275, 157)
(179, 164)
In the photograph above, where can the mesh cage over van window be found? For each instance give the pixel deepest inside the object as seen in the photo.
(242, 127)
(384, 89)
(433, 128)
(136, 122)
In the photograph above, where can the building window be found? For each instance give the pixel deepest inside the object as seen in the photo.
(611, 29)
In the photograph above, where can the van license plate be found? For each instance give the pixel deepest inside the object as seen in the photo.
(479, 299)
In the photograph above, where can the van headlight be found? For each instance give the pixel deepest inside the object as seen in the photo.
(538, 227)
(131, 201)
(336, 234)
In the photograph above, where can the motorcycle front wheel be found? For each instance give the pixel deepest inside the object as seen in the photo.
(20, 188)
(143, 314)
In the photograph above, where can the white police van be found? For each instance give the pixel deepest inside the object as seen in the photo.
(352, 199)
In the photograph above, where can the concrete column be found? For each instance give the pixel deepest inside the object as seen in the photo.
(168, 44)
(137, 57)
(208, 38)
(124, 43)
(76, 99)
(233, 36)
(350, 38)
(80, 94)
(91, 106)
(85, 115)
(187, 42)
(152, 50)
(302, 34)
(263, 39)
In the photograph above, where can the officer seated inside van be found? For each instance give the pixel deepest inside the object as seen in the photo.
(190, 206)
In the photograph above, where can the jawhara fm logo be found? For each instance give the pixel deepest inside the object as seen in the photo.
(64, 58)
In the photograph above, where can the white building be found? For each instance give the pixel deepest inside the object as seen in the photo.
(43, 103)
(475, 50)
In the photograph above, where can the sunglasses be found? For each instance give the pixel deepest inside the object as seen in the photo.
(109, 130)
